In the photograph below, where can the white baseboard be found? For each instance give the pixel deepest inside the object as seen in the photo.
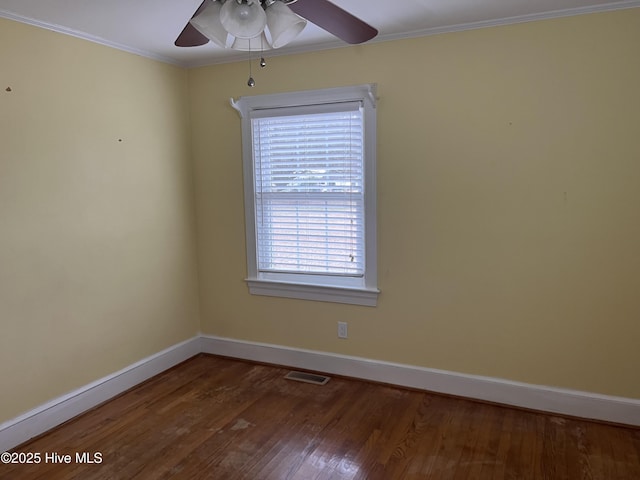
(59, 410)
(536, 397)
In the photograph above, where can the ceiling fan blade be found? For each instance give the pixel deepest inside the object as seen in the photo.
(190, 37)
(334, 20)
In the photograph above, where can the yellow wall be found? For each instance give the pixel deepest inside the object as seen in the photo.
(509, 193)
(97, 235)
(509, 174)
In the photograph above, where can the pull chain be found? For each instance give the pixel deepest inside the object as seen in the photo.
(263, 63)
(251, 82)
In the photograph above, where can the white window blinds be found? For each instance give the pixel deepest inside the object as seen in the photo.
(309, 189)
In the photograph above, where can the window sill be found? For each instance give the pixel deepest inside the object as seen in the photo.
(355, 296)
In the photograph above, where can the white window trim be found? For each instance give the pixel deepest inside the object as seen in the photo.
(302, 286)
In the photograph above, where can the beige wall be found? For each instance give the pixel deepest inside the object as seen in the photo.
(97, 244)
(509, 189)
(509, 166)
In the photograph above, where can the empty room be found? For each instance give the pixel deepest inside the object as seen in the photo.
(320, 239)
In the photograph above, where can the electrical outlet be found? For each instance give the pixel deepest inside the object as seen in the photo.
(342, 330)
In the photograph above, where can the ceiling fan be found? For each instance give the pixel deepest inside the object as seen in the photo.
(236, 23)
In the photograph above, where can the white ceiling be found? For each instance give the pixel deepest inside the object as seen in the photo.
(149, 27)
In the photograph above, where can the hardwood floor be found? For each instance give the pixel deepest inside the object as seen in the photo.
(217, 418)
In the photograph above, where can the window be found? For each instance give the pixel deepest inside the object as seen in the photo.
(310, 199)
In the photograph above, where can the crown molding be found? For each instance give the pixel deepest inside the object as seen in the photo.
(91, 38)
(532, 17)
(241, 56)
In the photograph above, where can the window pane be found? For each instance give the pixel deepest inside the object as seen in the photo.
(309, 193)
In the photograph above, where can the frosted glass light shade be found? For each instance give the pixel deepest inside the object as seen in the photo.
(284, 25)
(256, 43)
(243, 20)
(207, 22)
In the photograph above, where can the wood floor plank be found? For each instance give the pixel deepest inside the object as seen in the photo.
(223, 419)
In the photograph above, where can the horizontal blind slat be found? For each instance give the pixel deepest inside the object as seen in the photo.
(309, 193)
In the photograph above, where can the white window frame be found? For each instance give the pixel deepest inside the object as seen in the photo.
(358, 291)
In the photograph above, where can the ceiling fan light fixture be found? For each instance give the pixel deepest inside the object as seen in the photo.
(284, 25)
(207, 22)
(243, 18)
(254, 44)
